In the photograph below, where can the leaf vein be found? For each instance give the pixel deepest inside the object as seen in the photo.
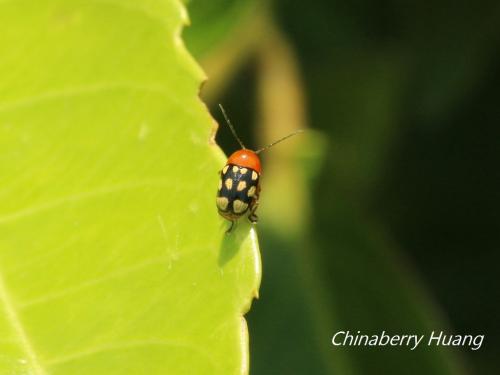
(129, 345)
(14, 320)
(81, 196)
(49, 95)
(125, 271)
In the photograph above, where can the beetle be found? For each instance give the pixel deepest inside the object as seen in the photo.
(239, 183)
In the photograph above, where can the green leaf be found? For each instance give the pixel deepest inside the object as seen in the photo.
(113, 259)
(215, 22)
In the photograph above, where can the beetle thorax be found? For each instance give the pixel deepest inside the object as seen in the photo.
(246, 158)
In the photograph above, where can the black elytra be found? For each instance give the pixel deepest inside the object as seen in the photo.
(238, 192)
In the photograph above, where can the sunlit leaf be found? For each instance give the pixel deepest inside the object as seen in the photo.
(113, 259)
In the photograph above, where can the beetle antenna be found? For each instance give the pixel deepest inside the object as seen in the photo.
(278, 141)
(231, 127)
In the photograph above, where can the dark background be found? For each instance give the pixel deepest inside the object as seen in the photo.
(404, 226)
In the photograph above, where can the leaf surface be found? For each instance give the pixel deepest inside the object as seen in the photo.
(113, 259)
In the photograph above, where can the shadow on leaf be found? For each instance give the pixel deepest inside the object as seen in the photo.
(233, 241)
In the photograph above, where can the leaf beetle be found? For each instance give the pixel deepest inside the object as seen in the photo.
(239, 184)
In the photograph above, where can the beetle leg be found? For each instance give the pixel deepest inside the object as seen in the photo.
(230, 229)
(253, 218)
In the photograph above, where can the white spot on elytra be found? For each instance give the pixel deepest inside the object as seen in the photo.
(241, 186)
(222, 203)
(251, 191)
(239, 206)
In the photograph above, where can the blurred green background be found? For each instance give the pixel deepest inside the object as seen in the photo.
(384, 215)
